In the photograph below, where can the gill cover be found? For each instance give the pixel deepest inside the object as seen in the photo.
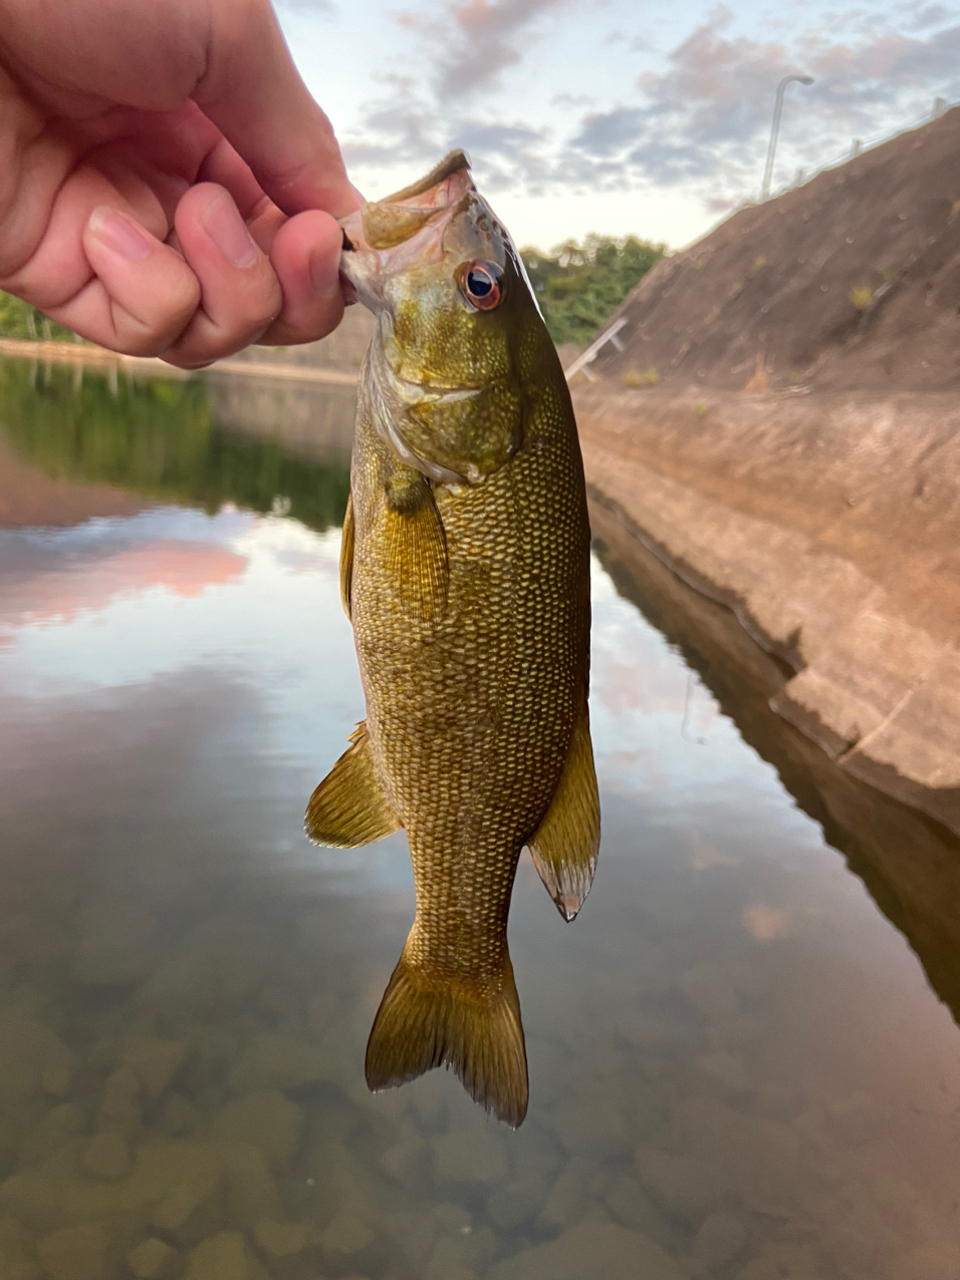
(446, 283)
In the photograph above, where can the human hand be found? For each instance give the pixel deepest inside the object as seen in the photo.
(167, 184)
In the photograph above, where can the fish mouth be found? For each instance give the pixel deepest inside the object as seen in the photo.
(408, 226)
(441, 187)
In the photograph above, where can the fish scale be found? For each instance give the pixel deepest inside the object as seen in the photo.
(469, 600)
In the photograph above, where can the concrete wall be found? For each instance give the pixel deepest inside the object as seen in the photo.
(830, 525)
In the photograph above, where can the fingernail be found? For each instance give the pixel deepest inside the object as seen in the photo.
(120, 233)
(229, 233)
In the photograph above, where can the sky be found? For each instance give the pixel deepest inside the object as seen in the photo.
(616, 116)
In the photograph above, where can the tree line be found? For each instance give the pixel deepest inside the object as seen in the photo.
(579, 285)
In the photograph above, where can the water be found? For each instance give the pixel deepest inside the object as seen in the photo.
(739, 1068)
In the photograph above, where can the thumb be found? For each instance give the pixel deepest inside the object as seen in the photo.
(253, 93)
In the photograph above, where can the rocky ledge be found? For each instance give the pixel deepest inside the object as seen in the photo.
(830, 524)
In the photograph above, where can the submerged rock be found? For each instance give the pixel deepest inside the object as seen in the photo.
(36, 1197)
(280, 1062)
(17, 1256)
(33, 1060)
(107, 1155)
(405, 1161)
(224, 1257)
(683, 1187)
(466, 1252)
(266, 1118)
(179, 1117)
(471, 1156)
(192, 1206)
(789, 1262)
(566, 1202)
(120, 1104)
(57, 1127)
(154, 1260)
(282, 1239)
(251, 1189)
(75, 1253)
(516, 1202)
(630, 1205)
(588, 1251)
(595, 1122)
(719, 1239)
(155, 1062)
(347, 1233)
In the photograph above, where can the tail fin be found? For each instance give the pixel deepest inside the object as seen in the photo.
(429, 1021)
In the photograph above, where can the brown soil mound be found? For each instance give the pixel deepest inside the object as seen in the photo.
(851, 281)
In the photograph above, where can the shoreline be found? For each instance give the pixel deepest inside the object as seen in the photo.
(75, 353)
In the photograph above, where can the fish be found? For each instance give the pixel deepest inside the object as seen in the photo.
(465, 574)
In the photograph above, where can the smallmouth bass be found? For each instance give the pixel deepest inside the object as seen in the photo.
(465, 573)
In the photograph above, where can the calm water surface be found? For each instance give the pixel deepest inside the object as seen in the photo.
(738, 1066)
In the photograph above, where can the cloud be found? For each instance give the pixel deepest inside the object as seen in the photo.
(698, 121)
(307, 6)
(705, 118)
(55, 595)
(473, 42)
(929, 15)
(405, 128)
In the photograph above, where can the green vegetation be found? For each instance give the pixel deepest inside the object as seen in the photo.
(641, 377)
(159, 439)
(579, 286)
(20, 320)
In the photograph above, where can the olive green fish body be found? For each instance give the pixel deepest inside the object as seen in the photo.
(469, 599)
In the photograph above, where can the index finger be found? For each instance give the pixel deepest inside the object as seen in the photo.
(254, 94)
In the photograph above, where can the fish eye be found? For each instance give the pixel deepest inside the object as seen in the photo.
(482, 284)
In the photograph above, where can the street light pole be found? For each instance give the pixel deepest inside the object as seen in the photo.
(775, 129)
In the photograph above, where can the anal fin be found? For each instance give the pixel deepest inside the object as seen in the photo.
(564, 849)
(348, 808)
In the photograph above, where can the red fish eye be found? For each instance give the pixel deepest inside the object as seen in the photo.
(481, 284)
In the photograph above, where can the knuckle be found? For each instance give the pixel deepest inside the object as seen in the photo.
(184, 299)
(153, 334)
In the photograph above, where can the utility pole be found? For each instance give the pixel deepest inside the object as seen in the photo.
(775, 130)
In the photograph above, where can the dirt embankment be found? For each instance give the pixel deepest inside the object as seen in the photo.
(849, 281)
(822, 504)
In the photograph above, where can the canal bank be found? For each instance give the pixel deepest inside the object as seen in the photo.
(828, 523)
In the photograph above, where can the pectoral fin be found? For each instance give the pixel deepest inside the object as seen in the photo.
(348, 808)
(417, 549)
(565, 846)
(346, 556)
